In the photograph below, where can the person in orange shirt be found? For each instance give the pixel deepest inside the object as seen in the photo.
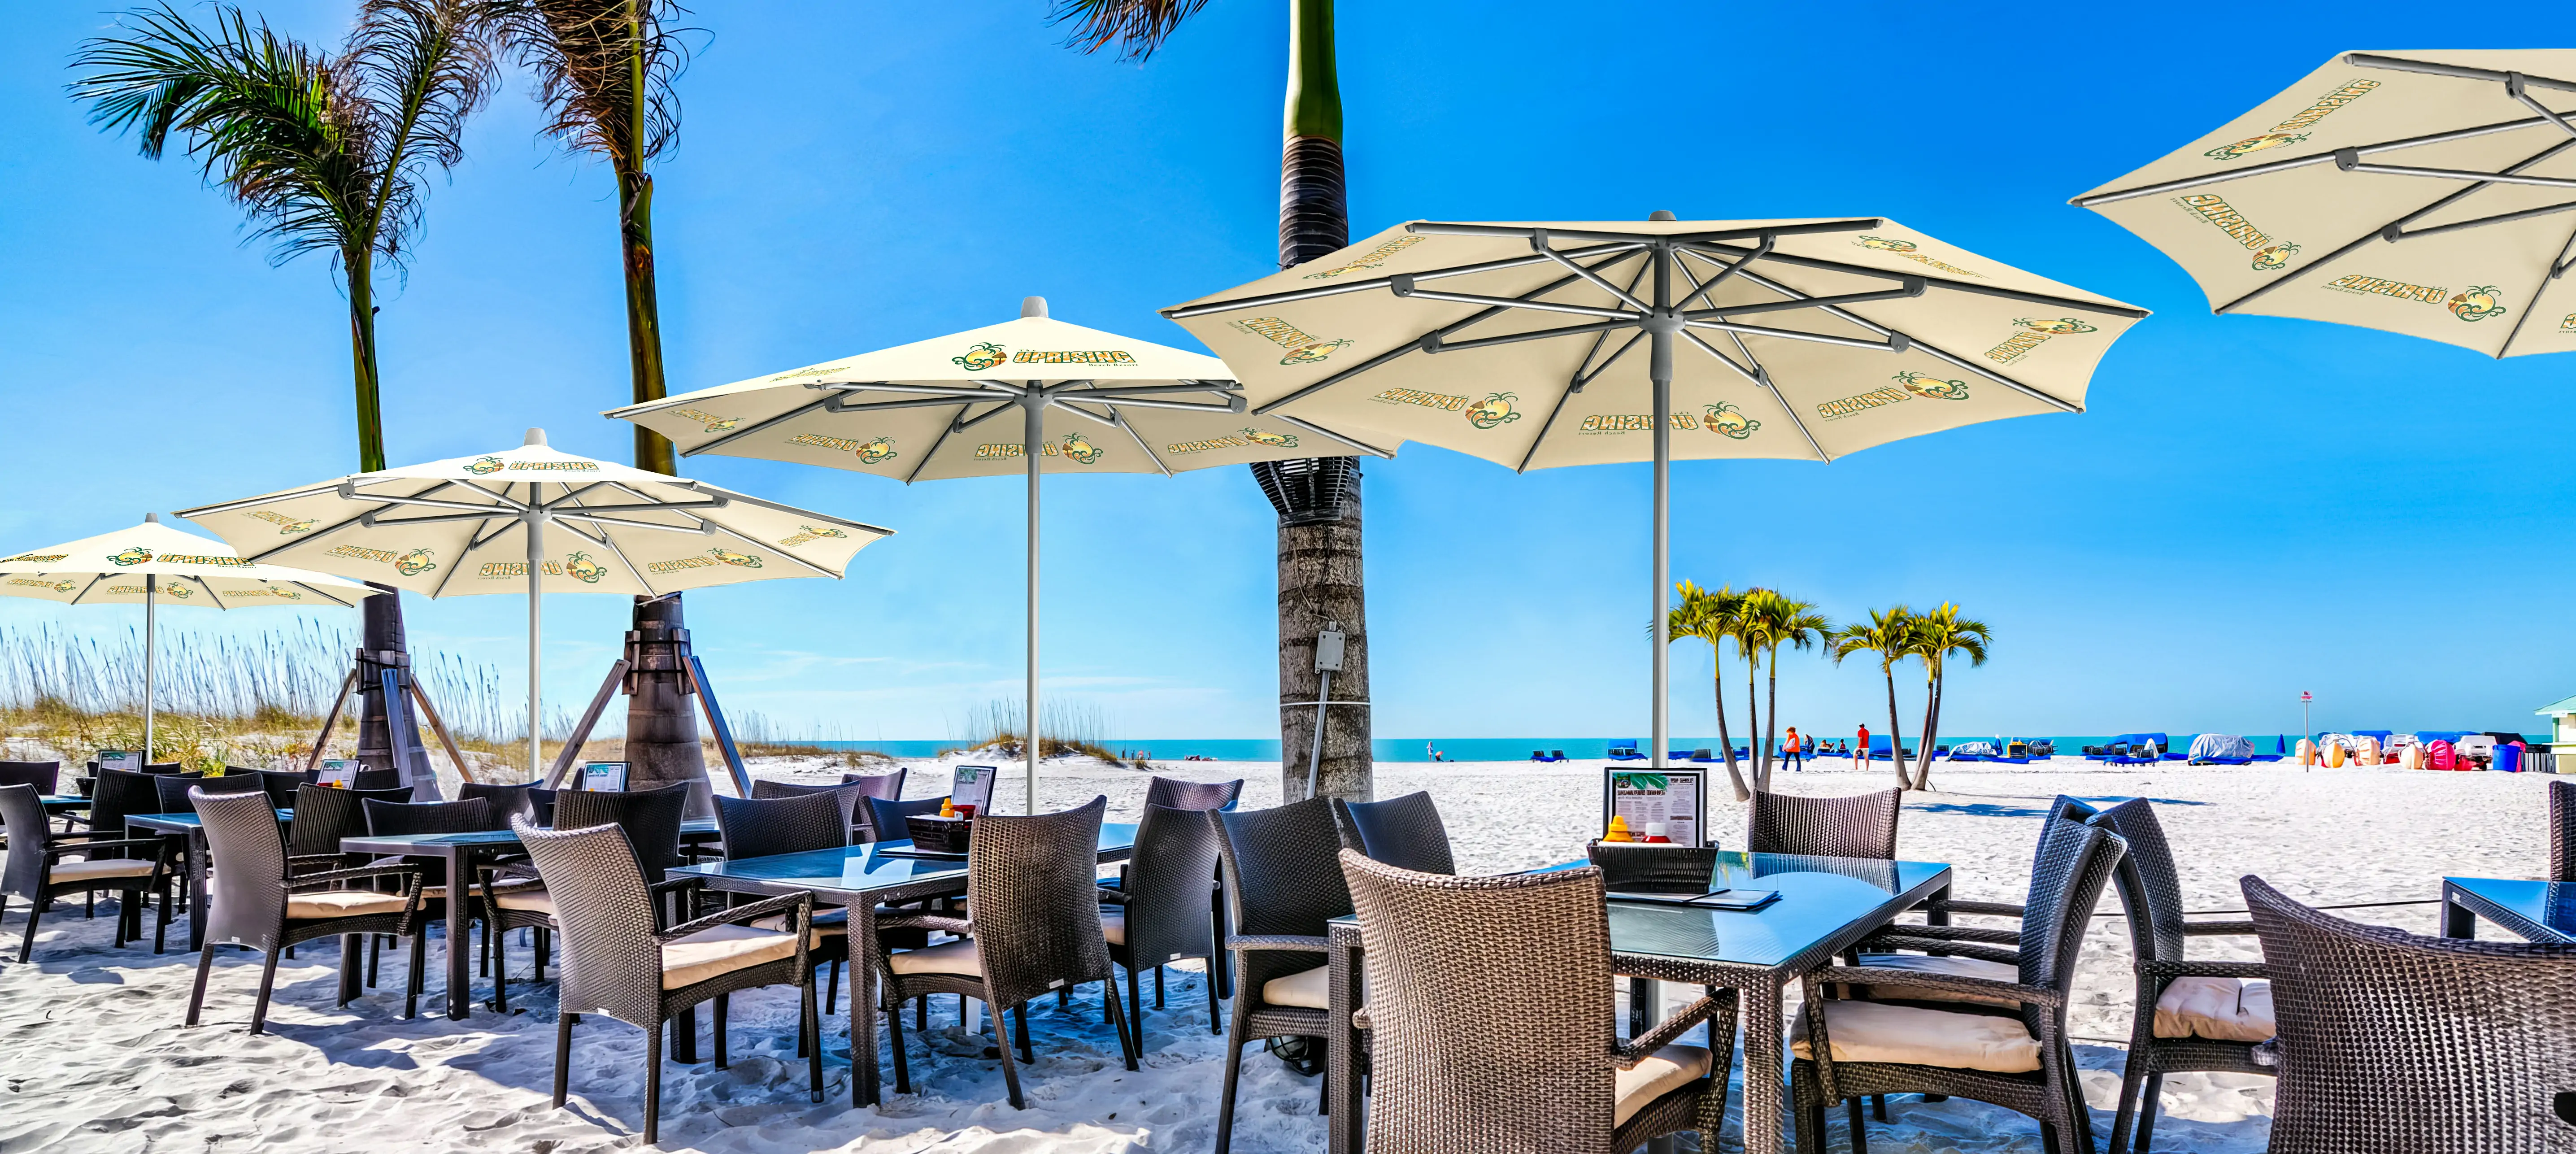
(1789, 751)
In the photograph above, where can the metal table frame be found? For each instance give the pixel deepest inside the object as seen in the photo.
(1765, 1045)
(2463, 905)
(1117, 843)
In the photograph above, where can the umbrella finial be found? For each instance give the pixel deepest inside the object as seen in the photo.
(152, 518)
(1662, 214)
(1032, 307)
(535, 437)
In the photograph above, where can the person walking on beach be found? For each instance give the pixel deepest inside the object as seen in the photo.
(1860, 749)
(1789, 751)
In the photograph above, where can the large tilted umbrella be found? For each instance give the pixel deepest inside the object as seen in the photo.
(533, 520)
(1088, 402)
(151, 565)
(1540, 344)
(2426, 193)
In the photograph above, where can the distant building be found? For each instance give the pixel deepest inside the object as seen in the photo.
(2562, 728)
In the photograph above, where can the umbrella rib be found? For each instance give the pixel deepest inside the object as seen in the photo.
(946, 430)
(322, 593)
(1321, 431)
(1122, 392)
(1073, 408)
(1890, 345)
(604, 541)
(309, 538)
(1913, 288)
(1582, 378)
(1442, 228)
(1820, 263)
(1404, 290)
(1233, 405)
(756, 426)
(775, 507)
(975, 390)
(217, 598)
(1539, 241)
(246, 502)
(2381, 233)
(1762, 377)
(1435, 345)
(2098, 199)
(2556, 266)
(1184, 312)
(1701, 289)
(94, 579)
(2061, 403)
(2480, 222)
(835, 404)
(2454, 71)
(757, 543)
(1139, 438)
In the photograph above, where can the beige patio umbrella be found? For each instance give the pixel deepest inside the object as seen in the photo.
(1540, 344)
(534, 520)
(152, 565)
(1088, 401)
(2428, 193)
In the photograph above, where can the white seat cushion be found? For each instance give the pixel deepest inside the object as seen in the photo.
(957, 957)
(1915, 1036)
(2220, 1009)
(534, 899)
(1957, 967)
(827, 923)
(1311, 989)
(342, 904)
(1663, 1072)
(75, 871)
(1113, 925)
(721, 950)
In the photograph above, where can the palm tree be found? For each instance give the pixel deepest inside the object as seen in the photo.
(1320, 572)
(604, 71)
(324, 152)
(1712, 616)
(1937, 635)
(1773, 619)
(1889, 634)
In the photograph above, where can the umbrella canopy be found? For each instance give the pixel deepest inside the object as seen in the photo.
(534, 520)
(2426, 193)
(152, 565)
(1088, 402)
(1540, 344)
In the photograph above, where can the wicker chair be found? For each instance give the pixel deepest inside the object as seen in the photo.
(325, 816)
(886, 818)
(2151, 889)
(1863, 825)
(116, 793)
(164, 768)
(2013, 1053)
(36, 871)
(1032, 925)
(650, 817)
(1283, 882)
(850, 797)
(508, 801)
(1174, 793)
(620, 961)
(2397, 1044)
(263, 902)
(887, 785)
(1403, 832)
(1490, 999)
(767, 827)
(44, 775)
(281, 785)
(1161, 905)
(1643, 866)
(173, 789)
(2562, 831)
(366, 779)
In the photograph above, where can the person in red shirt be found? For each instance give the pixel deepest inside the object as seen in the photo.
(1860, 749)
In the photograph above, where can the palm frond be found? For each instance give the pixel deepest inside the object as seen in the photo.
(426, 66)
(584, 54)
(1139, 26)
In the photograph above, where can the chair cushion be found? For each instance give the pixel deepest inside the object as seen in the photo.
(1113, 925)
(1915, 1036)
(1311, 989)
(2220, 1009)
(1663, 1072)
(1956, 967)
(535, 900)
(721, 950)
(342, 904)
(827, 923)
(76, 871)
(957, 957)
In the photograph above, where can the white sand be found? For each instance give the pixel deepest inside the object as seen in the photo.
(92, 1056)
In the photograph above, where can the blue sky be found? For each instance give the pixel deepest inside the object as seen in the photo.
(2252, 507)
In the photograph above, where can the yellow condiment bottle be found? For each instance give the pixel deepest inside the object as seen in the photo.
(947, 807)
(1618, 830)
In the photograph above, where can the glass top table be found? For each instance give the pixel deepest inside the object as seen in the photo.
(2536, 911)
(1826, 905)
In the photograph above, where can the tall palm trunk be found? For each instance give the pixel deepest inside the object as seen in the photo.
(1318, 500)
(1931, 724)
(1771, 725)
(382, 643)
(1718, 680)
(1895, 737)
(1753, 719)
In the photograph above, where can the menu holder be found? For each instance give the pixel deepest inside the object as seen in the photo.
(337, 773)
(125, 760)
(604, 776)
(972, 785)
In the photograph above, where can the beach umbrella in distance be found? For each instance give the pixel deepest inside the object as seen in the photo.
(2426, 193)
(534, 520)
(1087, 401)
(152, 565)
(1541, 344)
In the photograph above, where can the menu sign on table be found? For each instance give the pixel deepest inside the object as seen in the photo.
(120, 759)
(338, 773)
(973, 785)
(604, 776)
(1678, 798)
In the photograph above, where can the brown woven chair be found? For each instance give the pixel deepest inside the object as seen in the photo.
(2562, 831)
(2014, 1054)
(36, 871)
(651, 818)
(325, 816)
(1032, 926)
(261, 901)
(1404, 832)
(768, 827)
(886, 819)
(2397, 1044)
(619, 960)
(44, 775)
(1490, 1001)
(1862, 825)
(173, 789)
(508, 800)
(1283, 881)
(114, 793)
(1160, 909)
(281, 785)
(2151, 889)
(879, 784)
(1174, 793)
(851, 797)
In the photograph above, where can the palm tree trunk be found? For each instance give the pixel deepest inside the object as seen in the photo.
(1717, 655)
(381, 640)
(1753, 720)
(1319, 539)
(1895, 737)
(1931, 725)
(1771, 725)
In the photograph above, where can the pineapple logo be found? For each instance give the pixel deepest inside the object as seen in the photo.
(2254, 144)
(882, 449)
(1727, 421)
(582, 568)
(714, 423)
(179, 591)
(2476, 303)
(288, 594)
(65, 586)
(1933, 387)
(1081, 450)
(2059, 327)
(1494, 411)
(1883, 244)
(983, 357)
(2274, 257)
(135, 556)
(418, 561)
(811, 532)
(729, 557)
(1274, 440)
(480, 466)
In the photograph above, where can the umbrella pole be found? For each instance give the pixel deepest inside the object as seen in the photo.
(536, 630)
(1660, 370)
(151, 636)
(1033, 437)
